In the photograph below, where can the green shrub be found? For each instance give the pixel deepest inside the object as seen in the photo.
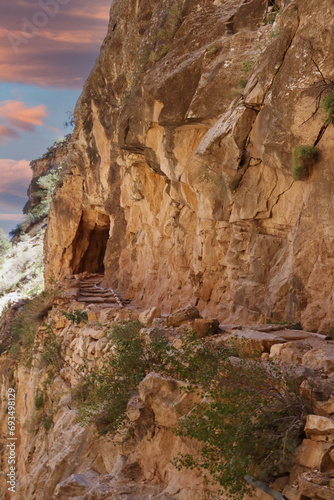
(242, 83)
(25, 328)
(77, 316)
(165, 49)
(48, 184)
(212, 49)
(303, 158)
(39, 400)
(47, 421)
(327, 106)
(51, 350)
(271, 16)
(249, 423)
(248, 65)
(17, 231)
(105, 392)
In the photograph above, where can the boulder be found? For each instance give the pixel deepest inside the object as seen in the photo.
(147, 317)
(166, 397)
(313, 454)
(291, 493)
(319, 426)
(289, 353)
(253, 340)
(182, 316)
(312, 490)
(205, 327)
(75, 485)
(317, 359)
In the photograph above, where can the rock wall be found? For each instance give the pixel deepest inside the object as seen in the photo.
(180, 171)
(57, 459)
(52, 160)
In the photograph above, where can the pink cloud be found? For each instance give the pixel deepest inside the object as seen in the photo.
(21, 116)
(11, 216)
(7, 133)
(15, 177)
(55, 129)
(52, 47)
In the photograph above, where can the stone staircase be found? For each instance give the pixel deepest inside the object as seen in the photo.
(92, 292)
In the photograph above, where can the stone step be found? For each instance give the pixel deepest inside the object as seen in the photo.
(99, 294)
(92, 289)
(92, 283)
(95, 280)
(96, 299)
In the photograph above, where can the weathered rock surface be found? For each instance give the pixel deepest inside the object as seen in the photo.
(53, 160)
(180, 179)
(67, 461)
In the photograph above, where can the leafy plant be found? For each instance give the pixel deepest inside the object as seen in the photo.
(271, 16)
(77, 316)
(39, 400)
(249, 422)
(212, 49)
(303, 158)
(48, 183)
(103, 396)
(25, 328)
(47, 421)
(327, 106)
(51, 350)
(165, 49)
(242, 83)
(248, 65)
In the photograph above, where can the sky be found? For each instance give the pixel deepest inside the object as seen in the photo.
(47, 50)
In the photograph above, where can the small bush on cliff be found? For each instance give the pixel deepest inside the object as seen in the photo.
(77, 316)
(47, 184)
(51, 350)
(25, 328)
(249, 422)
(103, 397)
(303, 159)
(327, 106)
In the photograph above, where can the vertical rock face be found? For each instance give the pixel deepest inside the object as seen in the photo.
(50, 161)
(179, 184)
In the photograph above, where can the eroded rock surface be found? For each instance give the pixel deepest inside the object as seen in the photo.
(180, 175)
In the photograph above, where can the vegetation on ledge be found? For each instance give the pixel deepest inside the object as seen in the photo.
(250, 420)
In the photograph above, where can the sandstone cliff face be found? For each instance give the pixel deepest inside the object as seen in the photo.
(57, 459)
(179, 182)
(52, 160)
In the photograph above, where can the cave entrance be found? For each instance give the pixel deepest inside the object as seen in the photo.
(91, 243)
